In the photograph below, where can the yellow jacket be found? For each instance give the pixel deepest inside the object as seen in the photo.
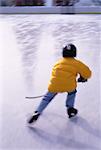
(64, 73)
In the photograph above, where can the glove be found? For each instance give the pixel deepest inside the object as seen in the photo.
(81, 79)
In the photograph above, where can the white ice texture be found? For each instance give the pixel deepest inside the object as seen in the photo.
(29, 46)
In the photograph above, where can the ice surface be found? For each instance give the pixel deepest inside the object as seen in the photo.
(30, 44)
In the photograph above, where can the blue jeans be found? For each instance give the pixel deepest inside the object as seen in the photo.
(70, 100)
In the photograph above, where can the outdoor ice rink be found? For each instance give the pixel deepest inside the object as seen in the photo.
(29, 46)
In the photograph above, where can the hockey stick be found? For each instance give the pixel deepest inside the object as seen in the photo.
(34, 97)
(81, 79)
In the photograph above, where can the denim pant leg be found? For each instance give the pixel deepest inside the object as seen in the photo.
(45, 101)
(71, 99)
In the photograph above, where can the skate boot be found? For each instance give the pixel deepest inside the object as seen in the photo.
(71, 112)
(34, 117)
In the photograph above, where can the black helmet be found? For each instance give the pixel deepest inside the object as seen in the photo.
(69, 51)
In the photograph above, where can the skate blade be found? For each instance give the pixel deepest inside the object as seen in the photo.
(72, 117)
(30, 125)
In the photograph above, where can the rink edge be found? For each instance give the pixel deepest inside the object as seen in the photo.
(51, 10)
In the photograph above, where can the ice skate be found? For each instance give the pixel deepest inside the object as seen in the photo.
(72, 112)
(34, 117)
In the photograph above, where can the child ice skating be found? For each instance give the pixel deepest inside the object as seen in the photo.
(64, 79)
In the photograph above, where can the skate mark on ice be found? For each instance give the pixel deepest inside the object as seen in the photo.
(58, 141)
(85, 125)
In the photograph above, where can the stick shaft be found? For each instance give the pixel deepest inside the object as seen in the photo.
(34, 97)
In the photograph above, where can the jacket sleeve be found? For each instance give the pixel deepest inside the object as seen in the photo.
(84, 70)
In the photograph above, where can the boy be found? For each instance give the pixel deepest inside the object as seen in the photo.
(63, 79)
